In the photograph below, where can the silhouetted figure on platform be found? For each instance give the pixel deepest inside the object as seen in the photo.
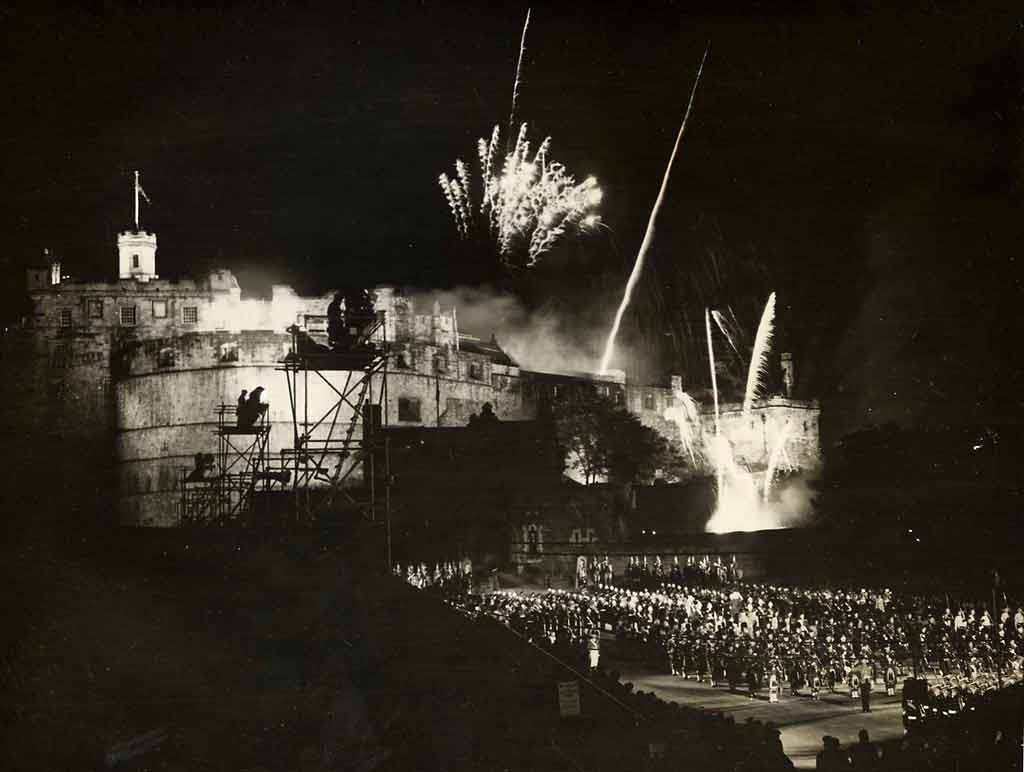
(252, 410)
(240, 410)
(204, 466)
(335, 323)
(358, 306)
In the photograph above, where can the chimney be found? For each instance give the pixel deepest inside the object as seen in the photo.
(788, 372)
(676, 382)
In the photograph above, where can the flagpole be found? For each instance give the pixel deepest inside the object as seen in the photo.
(136, 200)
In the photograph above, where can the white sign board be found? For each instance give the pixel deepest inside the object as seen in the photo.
(568, 698)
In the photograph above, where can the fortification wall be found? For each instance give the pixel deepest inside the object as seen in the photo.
(773, 423)
(166, 400)
(438, 385)
(169, 389)
(787, 427)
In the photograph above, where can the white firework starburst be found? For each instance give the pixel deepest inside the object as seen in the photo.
(527, 206)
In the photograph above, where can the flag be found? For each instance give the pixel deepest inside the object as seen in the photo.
(142, 193)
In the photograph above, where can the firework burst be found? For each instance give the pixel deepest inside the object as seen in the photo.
(526, 207)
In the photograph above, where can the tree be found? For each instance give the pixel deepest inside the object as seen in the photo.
(603, 440)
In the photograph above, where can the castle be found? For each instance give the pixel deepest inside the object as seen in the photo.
(146, 361)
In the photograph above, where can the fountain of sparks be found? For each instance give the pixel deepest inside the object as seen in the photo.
(742, 505)
(685, 414)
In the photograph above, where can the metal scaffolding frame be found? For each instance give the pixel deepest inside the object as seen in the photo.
(332, 461)
(241, 473)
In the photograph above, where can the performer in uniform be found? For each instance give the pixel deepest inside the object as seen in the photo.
(865, 695)
(594, 647)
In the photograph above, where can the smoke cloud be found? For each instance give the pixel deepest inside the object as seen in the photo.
(793, 501)
(547, 339)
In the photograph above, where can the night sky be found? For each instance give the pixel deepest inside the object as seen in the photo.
(865, 163)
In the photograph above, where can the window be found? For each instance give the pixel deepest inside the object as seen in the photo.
(95, 309)
(670, 401)
(135, 261)
(602, 390)
(648, 401)
(166, 357)
(64, 317)
(554, 391)
(159, 309)
(476, 371)
(128, 316)
(190, 314)
(409, 409)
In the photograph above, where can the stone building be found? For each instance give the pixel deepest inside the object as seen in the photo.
(145, 361)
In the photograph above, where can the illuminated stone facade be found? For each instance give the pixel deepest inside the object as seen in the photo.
(147, 361)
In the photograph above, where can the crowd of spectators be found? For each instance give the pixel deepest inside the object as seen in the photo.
(699, 620)
(807, 639)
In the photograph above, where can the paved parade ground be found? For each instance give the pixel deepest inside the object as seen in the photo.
(802, 721)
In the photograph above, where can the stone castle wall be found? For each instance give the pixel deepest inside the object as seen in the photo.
(154, 385)
(166, 411)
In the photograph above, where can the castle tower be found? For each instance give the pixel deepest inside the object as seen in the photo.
(136, 255)
(136, 249)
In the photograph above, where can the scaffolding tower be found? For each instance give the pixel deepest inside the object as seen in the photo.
(224, 488)
(336, 442)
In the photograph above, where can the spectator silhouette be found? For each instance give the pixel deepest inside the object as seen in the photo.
(864, 755)
(486, 416)
(831, 758)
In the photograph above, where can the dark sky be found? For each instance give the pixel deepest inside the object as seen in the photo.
(866, 163)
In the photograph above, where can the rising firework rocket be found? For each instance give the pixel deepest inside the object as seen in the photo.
(649, 234)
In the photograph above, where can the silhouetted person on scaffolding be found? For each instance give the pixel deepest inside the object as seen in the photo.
(254, 409)
(358, 306)
(240, 410)
(204, 465)
(335, 324)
